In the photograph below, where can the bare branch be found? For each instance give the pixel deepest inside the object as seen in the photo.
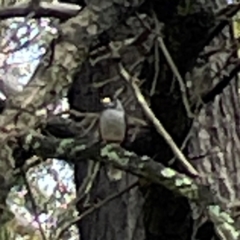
(58, 10)
(156, 122)
(95, 207)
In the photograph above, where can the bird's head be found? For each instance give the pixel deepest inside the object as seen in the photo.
(111, 103)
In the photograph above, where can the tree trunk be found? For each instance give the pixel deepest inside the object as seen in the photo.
(152, 212)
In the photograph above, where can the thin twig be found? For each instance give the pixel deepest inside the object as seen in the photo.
(184, 144)
(159, 127)
(34, 205)
(96, 206)
(84, 189)
(178, 76)
(171, 63)
(156, 68)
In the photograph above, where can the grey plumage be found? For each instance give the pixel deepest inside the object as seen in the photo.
(113, 123)
(112, 127)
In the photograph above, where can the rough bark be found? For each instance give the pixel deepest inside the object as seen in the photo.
(164, 215)
(162, 210)
(150, 211)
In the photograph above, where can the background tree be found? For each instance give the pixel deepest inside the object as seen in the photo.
(168, 62)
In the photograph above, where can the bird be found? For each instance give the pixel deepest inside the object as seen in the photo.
(112, 128)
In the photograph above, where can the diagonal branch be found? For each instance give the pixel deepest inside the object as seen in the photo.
(160, 129)
(73, 150)
(95, 207)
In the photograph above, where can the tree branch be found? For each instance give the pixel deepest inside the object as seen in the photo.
(58, 10)
(74, 150)
(157, 124)
(50, 83)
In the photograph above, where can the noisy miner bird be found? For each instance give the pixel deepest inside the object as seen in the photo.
(112, 128)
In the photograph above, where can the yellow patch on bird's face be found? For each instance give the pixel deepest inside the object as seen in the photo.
(106, 100)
